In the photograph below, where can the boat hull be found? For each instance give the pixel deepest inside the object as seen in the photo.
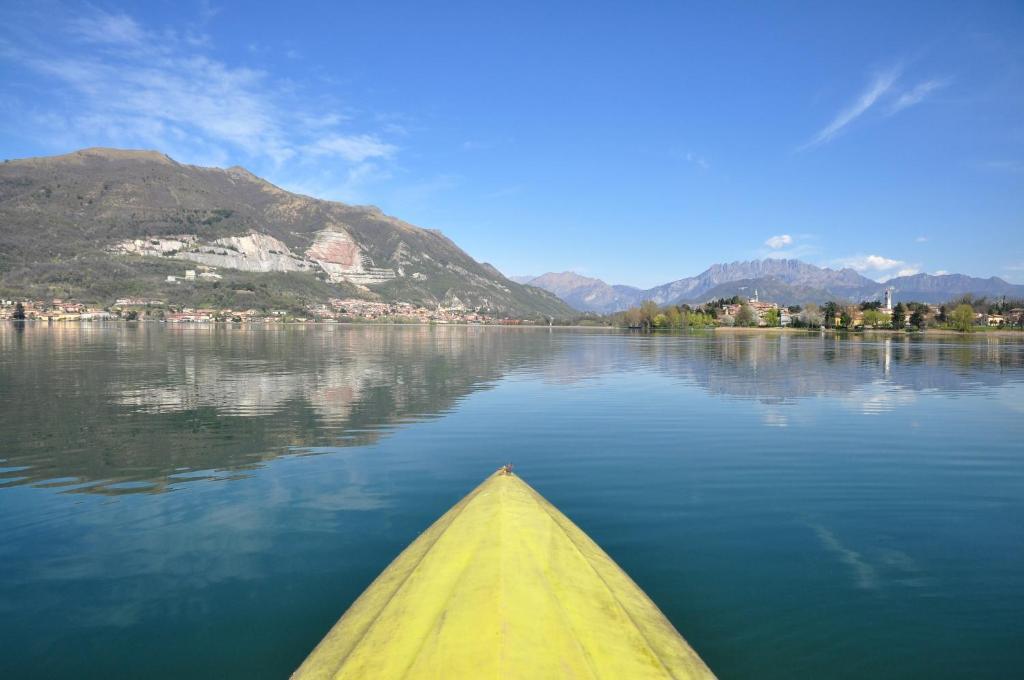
(503, 585)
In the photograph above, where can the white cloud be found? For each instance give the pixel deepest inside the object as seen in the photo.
(878, 266)
(879, 86)
(129, 85)
(863, 263)
(921, 239)
(940, 272)
(916, 94)
(776, 242)
(789, 247)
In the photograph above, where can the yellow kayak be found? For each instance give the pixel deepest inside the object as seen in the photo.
(503, 585)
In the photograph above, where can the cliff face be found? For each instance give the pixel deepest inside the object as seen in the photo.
(135, 207)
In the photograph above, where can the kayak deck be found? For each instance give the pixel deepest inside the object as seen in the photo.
(503, 585)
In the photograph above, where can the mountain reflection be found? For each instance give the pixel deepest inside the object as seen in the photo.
(123, 409)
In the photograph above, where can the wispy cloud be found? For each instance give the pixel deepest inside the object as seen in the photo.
(698, 160)
(921, 239)
(780, 241)
(880, 84)
(115, 81)
(102, 27)
(917, 94)
(883, 87)
(353, 148)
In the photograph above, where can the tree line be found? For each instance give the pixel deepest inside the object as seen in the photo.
(959, 314)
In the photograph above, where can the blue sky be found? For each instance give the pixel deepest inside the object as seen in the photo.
(637, 142)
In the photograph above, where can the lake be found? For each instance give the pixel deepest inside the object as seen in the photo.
(206, 501)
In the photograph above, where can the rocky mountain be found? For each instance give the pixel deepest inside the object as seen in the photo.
(104, 223)
(769, 289)
(842, 283)
(783, 281)
(586, 294)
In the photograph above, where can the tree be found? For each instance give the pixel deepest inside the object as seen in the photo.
(846, 319)
(810, 316)
(675, 317)
(899, 316)
(19, 312)
(631, 317)
(942, 314)
(772, 318)
(873, 318)
(648, 310)
(963, 318)
(828, 313)
(917, 319)
(746, 316)
(132, 316)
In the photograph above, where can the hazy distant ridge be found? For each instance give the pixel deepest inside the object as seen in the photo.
(784, 281)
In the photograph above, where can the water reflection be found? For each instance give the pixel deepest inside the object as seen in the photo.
(123, 409)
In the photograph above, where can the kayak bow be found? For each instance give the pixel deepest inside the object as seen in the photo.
(503, 585)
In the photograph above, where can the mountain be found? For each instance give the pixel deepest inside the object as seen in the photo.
(587, 294)
(98, 224)
(945, 287)
(768, 289)
(783, 281)
(802, 278)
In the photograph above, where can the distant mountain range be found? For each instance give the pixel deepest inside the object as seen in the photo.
(99, 224)
(584, 293)
(784, 281)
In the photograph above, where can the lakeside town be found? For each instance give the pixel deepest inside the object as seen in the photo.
(334, 311)
(963, 314)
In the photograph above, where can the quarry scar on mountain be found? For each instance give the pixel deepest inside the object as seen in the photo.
(333, 252)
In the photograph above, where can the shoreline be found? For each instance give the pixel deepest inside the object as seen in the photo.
(741, 330)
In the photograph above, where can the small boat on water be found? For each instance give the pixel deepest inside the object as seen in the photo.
(503, 585)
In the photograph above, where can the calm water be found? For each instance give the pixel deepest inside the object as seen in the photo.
(206, 502)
